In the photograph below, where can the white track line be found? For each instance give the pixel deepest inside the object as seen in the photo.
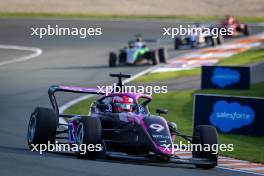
(244, 171)
(234, 164)
(36, 52)
(231, 160)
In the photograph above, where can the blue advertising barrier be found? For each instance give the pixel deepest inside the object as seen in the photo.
(230, 114)
(225, 77)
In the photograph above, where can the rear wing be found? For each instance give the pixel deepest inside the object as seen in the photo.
(147, 41)
(72, 89)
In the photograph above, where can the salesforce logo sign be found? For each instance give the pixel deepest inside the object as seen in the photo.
(223, 77)
(227, 116)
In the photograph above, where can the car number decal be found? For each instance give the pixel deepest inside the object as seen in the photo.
(156, 127)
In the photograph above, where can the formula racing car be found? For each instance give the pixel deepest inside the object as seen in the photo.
(120, 122)
(138, 52)
(233, 24)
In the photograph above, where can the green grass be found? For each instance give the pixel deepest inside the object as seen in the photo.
(248, 57)
(255, 91)
(180, 104)
(167, 75)
(245, 147)
(116, 16)
(244, 58)
(81, 108)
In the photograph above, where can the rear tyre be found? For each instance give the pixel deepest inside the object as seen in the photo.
(205, 135)
(112, 59)
(88, 133)
(42, 127)
(213, 41)
(246, 32)
(163, 55)
(154, 57)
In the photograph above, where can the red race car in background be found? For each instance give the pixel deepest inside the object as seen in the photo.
(237, 27)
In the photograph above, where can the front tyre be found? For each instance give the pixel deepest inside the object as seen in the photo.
(177, 43)
(42, 127)
(112, 59)
(122, 58)
(219, 39)
(206, 135)
(88, 134)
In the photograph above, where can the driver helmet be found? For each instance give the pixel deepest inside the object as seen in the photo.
(122, 104)
(230, 19)
(139, 39)
(131, 44)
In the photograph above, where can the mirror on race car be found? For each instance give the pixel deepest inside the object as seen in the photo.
(161, 111)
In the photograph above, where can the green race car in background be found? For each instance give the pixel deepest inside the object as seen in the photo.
(137, 52)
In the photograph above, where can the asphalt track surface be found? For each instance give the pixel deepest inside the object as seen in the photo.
(69, 61)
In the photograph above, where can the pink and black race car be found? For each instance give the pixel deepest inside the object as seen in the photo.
(123, 127)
